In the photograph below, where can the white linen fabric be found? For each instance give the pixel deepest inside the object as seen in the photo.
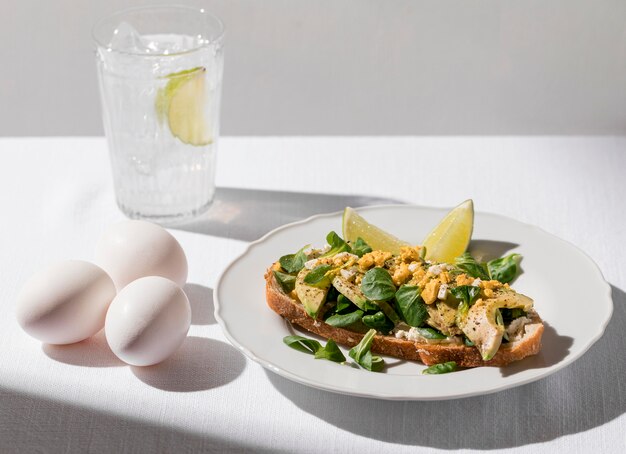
(57, 197)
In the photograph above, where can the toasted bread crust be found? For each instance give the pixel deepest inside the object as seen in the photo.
(429, 354)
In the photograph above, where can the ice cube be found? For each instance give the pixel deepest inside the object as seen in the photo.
(126, 39)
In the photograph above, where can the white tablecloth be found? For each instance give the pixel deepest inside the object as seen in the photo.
(56, 197)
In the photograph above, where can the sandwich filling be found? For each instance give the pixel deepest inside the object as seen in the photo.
(356, 288)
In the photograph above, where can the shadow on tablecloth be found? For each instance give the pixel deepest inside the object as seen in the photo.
(248, 214)
(587, 394)
(37, 424)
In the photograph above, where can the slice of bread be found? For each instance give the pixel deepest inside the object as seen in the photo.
(429, 354)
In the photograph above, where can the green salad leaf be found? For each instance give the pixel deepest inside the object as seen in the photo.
(302, 344)
(360, 247)
(504, 269)
(377, 285)
(343, 303)
(317, 276)
(467, 294)
(411, 305)
(337, 245)
(287, 281)
(379, 322)
(330, 352)
(361, 354)
(343, 320)
(292, 263)
(471, 266)
(441, 368)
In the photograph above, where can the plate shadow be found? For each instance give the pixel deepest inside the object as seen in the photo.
(248, 214)
(585, 395)
(485, 250)
(198, 365)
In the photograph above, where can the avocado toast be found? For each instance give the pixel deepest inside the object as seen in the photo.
(422, 310)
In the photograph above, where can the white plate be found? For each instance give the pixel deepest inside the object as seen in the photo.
(568, 288)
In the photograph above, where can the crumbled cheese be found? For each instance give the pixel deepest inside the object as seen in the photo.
(413, 266)
(310, 264)
(325, 249)
(477, 282)
(443, 292)
(436, 269)
(401, 334)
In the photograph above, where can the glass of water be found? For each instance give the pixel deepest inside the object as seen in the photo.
(160, 74)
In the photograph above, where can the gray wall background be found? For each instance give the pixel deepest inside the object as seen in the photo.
(300, 67)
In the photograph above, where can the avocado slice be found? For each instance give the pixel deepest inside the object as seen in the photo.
(480, 325)
(442, 316)
(352, 292)
(311, 297)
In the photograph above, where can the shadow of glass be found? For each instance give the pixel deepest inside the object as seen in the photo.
(554, 349)
(248, 214)
(198, 365)
(485, 250)
(201, 302)
(37, 424)
(92, 352)
(580, 397)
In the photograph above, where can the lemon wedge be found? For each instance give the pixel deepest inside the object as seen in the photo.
(354, 226)
(182, 102)
(452, 235)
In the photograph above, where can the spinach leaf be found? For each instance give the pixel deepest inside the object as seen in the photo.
(372, 363)
(343, 303)
(360, 247)
(378, 321)
(468, 342)
(504, 269)
(317, 276)
(337, 245)
(331, 352)
(471, 266)
(362, 355)
(377, 285)
(430, 333)
(468, 295)
(441, 368)
(411, 305)
(302, 344)
(343, 320)
(287, 281)
(292, 263)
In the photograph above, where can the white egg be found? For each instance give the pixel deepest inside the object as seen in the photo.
(130, 250)
(147, 321)
(66, 302)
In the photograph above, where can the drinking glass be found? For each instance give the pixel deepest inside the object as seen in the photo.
(160, 75)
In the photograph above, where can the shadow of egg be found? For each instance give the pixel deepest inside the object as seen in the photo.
(201, 302)
(199, 364)
(92, 352)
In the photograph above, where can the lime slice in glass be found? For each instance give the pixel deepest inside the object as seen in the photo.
(182, 103)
